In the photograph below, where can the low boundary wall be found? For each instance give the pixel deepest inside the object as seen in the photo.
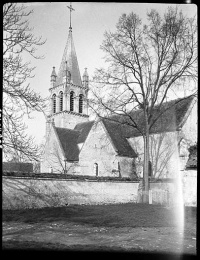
(37, 192)
(26, 192)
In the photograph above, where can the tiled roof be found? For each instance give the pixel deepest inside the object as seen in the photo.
(17, 166)
(171, 119)
(68, 139)
(69, 55)
(84, 129)
(120, 143)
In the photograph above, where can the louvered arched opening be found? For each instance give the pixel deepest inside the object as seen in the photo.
(54, 103)
(72, 101)
(81, 103)
(61, 101)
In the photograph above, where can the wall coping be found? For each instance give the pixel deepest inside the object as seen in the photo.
(84, 178)
(67, 179)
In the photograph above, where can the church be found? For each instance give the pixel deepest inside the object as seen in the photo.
(77, 146)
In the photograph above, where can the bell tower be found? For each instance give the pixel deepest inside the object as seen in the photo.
(68, 92)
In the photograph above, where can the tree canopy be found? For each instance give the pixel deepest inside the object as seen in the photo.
(18, 98)
(147, 63)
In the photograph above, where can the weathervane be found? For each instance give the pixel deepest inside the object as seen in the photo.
(71, 9)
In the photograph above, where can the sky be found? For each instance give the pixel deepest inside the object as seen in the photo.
(89, 22)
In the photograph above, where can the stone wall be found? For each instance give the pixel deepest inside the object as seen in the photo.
(190, 187)
(20, 192)
(37, 192)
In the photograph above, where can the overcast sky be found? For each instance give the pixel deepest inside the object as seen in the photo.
(89, 22)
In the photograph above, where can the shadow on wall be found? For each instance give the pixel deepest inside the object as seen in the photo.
(34, 192)
(27, 193)
(37, 193)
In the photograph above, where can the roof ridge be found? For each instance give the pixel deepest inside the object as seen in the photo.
(87, 122)
(141, 110)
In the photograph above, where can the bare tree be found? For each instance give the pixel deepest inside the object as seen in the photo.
(56, 161)
(146, 63)
(18, 98)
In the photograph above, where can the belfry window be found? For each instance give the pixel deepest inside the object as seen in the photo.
(81, 103)
(54, 103)
(61, 101)
(71, 101)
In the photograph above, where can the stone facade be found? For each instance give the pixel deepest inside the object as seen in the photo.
(104, 148)
(168, 150)
(53, 160)
(38, 192)
(67, 119)
(48, 192)
(189, 180)
(98, 156)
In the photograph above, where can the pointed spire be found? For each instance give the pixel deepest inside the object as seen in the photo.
(69, 55)
(66, 73)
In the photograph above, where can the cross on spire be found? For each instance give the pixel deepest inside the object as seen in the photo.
(70, 9)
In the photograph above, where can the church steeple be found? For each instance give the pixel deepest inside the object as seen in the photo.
(69, 55)
(66, 74)
(68, 93)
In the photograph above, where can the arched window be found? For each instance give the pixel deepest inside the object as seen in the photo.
(96, 170)
(54, 103)
(71, 101)
(61, 101)
(81, 103)
(119, 169)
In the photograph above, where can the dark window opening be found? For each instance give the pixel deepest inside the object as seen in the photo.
(96, 169)
(81, 103)
(71, 101)
(61, 101)
(54, 103)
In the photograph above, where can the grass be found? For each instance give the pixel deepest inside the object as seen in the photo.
(33, 245)
(114, 215)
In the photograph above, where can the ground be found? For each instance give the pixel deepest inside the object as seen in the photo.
(114, 228)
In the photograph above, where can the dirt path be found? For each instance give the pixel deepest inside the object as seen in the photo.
(160, 239)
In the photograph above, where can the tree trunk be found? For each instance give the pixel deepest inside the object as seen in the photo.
(146, 164)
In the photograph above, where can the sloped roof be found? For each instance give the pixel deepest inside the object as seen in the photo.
(172, 118)
(17, 167)
(68, 140)
(115, 132)
(84, 129)
(69, 55)
(172, 115)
